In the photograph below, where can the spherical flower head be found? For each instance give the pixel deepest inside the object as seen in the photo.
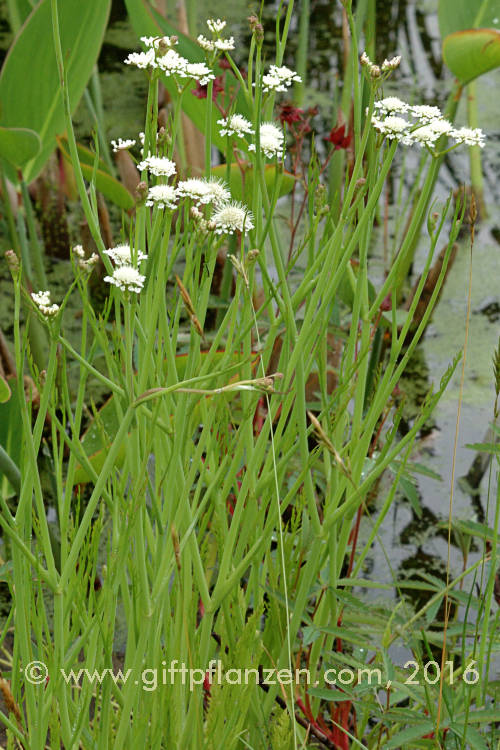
(232, 217)
(426, 113)
(218, 192)
(158, 165)
(126, 278)
(42, 301)
(172, 64)
(271, 140)
(235, 125)
(122, 255)
(391, 104)
(122, 145)
(142, 59)
(163, 196)
(200, 72)
(203, 191)
(469, 136)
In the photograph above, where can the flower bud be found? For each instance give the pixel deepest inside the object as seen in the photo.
(141, 192)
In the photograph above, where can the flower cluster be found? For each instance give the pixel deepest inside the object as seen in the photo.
(279, 79)
(42, 301)
(423, 125)
(232, 216)
(202, 191)
(121, 255)
(217, 43)
(158, 165)
(235, 125)
(122, 145)
(161, 55)
(125, 276)
(86, 264)
(270, 135)
(376, 71)
(271, 140)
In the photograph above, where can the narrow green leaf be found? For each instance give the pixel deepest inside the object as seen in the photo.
(484, 447)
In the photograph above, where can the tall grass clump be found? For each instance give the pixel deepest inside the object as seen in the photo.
(208, 513)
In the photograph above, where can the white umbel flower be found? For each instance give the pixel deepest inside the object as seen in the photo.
(394, 127)
(231, 218)
(172, 64)
(163, 196)
(158, 165)
(126, 278)
(86, 264)
(469, 136)
(142, 59)
(122, 255)
(425, 136)
(156, 41)
(425, 113)
(205, 43)
(200, 72)
(279, 78)
(122, 145)
(224, 45)
(235, 125)
(42, 301)
(216, 25)
(271, 140)
(391, 104)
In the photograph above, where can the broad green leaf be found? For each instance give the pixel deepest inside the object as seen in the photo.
(30, 95)
(459, 15)
(18, 145)
(104, 181)
(146, 22)
(241, 184)
(469, 54)
(19, 11)
(5, 392)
